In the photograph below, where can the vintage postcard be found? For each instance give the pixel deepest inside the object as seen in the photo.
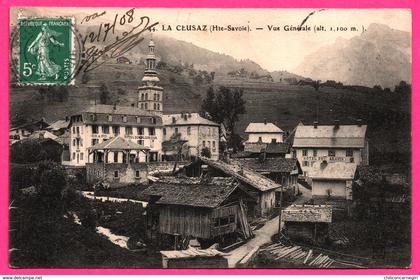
(210, 138)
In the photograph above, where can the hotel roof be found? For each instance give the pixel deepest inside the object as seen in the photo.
(263, 128)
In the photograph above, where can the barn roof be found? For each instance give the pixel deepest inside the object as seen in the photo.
(351, 136)
(333, 171)
(307, 213)
(283, 165)
(59, 124)
(186, 119)
(118, 143)
(248, 176)
(196, 195)
(263, 128)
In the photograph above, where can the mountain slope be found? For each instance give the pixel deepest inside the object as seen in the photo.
(379, 56)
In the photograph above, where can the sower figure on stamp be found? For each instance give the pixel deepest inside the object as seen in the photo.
(40, 48)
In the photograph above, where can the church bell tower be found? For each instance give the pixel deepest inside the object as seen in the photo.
(150, 93)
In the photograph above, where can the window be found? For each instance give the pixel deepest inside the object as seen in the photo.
(116, 174)
(164, 131)
(304, 152)
(189, 130)
(94, 142)
(77, 130)
(140, 131)
(145, 106)
(109, 118)
(124, 118)
(204, 143)
(214, 146)
(273, 140)
(158, 106)
(146, 96)
(151, 131)
(331, 153)
(138, 119)
(260, 139)
(315, 153)
(349, 152)
(74, 155)
(140, 142)
(141, 106)
(142, 97)
(74, 142)
(93, 117)
(81, 156)
(154, 120)
(305, 163)
(116, 130)
(176, 130)
(73, 128)
(223, 221)
(137, 173)
(128, 130)
(115, 156)
(105, 129)
(94, 129)
(154, 106)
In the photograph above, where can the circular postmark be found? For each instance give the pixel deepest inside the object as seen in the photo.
(45, 51)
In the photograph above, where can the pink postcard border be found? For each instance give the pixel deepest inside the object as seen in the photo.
(4, 116)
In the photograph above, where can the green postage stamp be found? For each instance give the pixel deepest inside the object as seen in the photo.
(45, 51)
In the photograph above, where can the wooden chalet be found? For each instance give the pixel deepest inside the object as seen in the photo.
(260, 187)
(205, 210)
(284, 171)
(307, 222)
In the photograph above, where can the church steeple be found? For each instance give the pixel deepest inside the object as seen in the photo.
(150, 93)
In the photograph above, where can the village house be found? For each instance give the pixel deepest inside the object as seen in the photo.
(207, 211)
(117, 161)
(333, 181)
(100, 123)
(58, 127)
(259, 133)
(330, 143)
(23, 131)
(199, 132)
(307, 222)
(271, 150)
(260, 187)
(284, 171)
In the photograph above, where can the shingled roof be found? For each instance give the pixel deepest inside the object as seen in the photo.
(343, 136)
(245, 175)
(196, 195)
(118, 143)
(262, 128)
(333, 171)
(307, 213)
(271, 165)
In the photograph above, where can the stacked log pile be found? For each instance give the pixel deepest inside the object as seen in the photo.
(301, 256)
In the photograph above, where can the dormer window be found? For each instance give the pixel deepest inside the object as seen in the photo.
(110, 118)
(124, 118)
(138, 119)
(93, 117)
(154, 120)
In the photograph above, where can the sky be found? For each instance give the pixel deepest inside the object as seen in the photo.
(273, 50)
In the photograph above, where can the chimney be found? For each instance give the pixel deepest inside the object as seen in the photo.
(315, 124)
(359, 122)
(265, 121)
(336, 124)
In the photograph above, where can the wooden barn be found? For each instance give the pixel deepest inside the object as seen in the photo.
(260, 187)
(205, 211)
(307, 222)
(284, 171)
